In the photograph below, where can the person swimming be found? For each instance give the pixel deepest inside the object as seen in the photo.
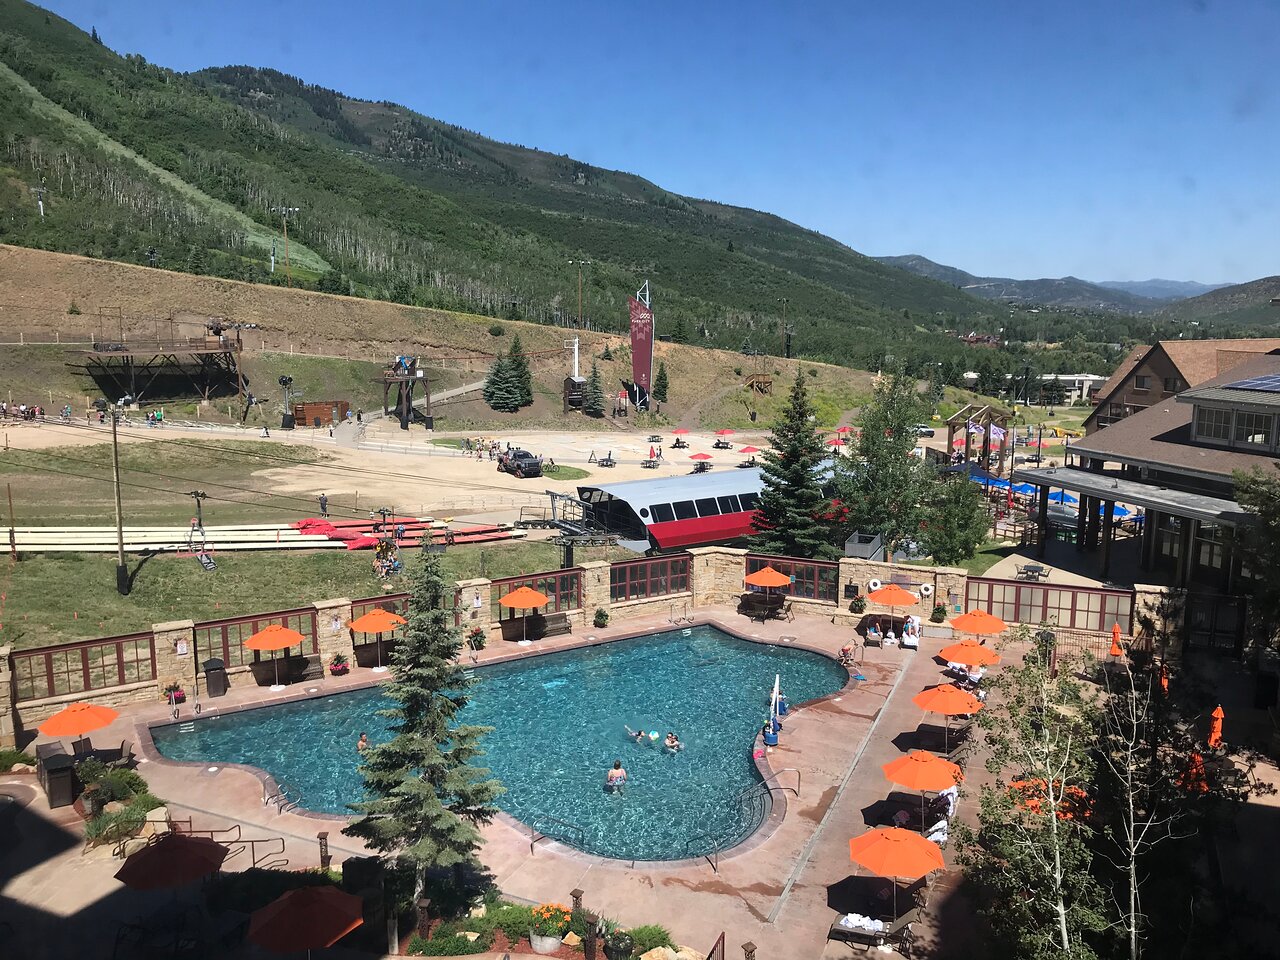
(615, 778)
(639, 736)
(363, 744)
(672, 742)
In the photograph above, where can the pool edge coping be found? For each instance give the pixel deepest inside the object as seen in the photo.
(779, 804)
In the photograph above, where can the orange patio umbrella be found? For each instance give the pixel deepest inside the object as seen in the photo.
(1193, 778)
(1116, 649)
(274, 637)
(948, 700)
(306, 918)
(979, 623)
(894, 852)
(768, 577)
(78, 719)
(378, 620)
(893, 596)
(969, 653)
(1215, 727)
(1164, 680)
(526, 599)
(174, 860)
(921, 770)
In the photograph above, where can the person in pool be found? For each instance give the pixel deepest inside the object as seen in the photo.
(639, 736)
(615, 778)
(672, 742)
(363, 744)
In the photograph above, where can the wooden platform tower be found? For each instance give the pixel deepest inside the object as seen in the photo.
(405, 376)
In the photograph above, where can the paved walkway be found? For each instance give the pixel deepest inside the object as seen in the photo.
(775, 890)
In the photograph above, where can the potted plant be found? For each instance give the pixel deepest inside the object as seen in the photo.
(338, 665)
(858, 604)
(174, 693)
(602, 617)
(550, 922)
(476, 637)
(939, 613)
(618, 944)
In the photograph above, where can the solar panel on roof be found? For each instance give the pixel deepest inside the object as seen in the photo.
(1266, 384)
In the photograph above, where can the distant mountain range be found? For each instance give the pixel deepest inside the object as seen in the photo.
(1241, 304)
(1162, 289)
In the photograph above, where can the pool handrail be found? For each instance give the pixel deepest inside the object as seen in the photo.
(778, 786)
(536, 834)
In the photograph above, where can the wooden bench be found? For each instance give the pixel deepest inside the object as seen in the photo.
(537, 627)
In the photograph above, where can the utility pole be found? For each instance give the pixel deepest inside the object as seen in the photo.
(784, 301)
(40, 191)
(284, 215)
(122, 571)
(581, 264)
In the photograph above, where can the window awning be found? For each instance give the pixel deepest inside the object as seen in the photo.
(1108, 486)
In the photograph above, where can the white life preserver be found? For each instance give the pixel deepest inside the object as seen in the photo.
(926, 590)
(874, 585)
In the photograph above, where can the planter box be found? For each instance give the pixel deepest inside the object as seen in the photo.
(341, 671)
(544, 945)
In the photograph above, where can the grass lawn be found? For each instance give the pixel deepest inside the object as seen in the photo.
(561, 472)
(988, 555)
(54, 598)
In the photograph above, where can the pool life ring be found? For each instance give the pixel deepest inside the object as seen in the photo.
(874, 585)
(926, 590)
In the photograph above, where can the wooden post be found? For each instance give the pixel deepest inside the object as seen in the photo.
(577, 895)
(589, 940)
(424, 917)
(749, 951)
(326, 858)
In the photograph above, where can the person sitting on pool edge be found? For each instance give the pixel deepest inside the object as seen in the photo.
(672, 742)
(615, 778)
(363, 744)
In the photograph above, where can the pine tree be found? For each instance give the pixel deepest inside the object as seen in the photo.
(792, 501)
(93, 35)
(954, 521)
(426, 798)
(593, 396)
(608, 354)
(678, 333)
(501, 387)
(660, 384)
(196, 260)
(520, 372)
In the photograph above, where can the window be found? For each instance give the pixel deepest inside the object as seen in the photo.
(814, 581)
(1142, 382)
(748, 500)
(1115, 409)
(1173, 385)
(662, 513)
(729, 504)
(1213, 424)
(707, 507)
(685, 510)
(637, 579)
(1254, 428)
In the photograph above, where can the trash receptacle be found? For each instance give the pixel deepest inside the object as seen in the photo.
(215, 677)
(58, 774)
(287, 421)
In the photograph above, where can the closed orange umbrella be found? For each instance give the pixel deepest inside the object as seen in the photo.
(969, 653)
(174, 860)
(274, 637)
(980, 623)
(921, 770)
(78, 719)
(1215, 727)
(526, 599)
(306, 918)
(1164, 680)
(1193, 778)
(768, 577)
(377, 620)
(1116, 649)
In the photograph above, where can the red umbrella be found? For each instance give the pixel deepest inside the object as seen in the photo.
(748, 449)
(306, 918)
(174, 860)
(844, 429)
(724, 433)
(701, 456)
(680, 431)
(835, 442)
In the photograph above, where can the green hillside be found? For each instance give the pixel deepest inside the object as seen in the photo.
(1239, 306)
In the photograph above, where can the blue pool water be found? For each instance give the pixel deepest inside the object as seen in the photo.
(558, 724)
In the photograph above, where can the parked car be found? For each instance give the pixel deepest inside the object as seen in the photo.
(924, 430)
(520, 463)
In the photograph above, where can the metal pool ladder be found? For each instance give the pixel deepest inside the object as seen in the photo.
(542, 827)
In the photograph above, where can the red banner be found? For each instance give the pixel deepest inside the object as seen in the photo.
(641, 344)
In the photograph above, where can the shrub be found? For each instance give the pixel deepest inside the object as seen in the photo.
(143, 803)
(74, 309)
(858, 604)
(512, 919)
(108, 827)
(737, 371)
(649, 936)
(813, 371)
(601, 617)
(551, 919)
(122, 784)
(252, 889)
(939, 613)
(91, 770)
(496, 330)
(9, 757)
(447, 946)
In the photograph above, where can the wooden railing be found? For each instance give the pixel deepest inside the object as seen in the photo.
(563, 589)
(811, 579)
(84, 665)
(225, 638)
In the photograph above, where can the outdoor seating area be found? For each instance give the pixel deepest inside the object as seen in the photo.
(1032, 572)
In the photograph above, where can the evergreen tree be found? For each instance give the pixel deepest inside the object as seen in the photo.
(593, 396)
(520, 371)
(660, 384)
(502, 387)
(955, 520)
(196, 260)
(608, 354)
(1258, 491)
(730, 247)
(885, 486)
(678, 333)
(93, 35)
(790, 505)
(426, 798)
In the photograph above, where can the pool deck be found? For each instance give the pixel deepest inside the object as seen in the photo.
(773, 891)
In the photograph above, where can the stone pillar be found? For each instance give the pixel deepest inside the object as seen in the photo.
(748, 951)
(8, 699)
(332, 633)
(591, 937)
(175, 654)
(473, 613)
(595, 589)
(715, 575)
(576, 896)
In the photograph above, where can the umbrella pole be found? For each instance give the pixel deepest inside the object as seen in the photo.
(922, 824)
(276, 661)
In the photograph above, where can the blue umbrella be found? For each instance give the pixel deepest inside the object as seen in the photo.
(1024, 489)
(1061, 496)
(1117, 511)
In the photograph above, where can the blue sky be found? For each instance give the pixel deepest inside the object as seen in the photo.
(1100, 139)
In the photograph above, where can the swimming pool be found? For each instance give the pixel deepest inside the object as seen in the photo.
(558, 724)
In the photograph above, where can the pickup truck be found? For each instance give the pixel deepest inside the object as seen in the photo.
(520, 463)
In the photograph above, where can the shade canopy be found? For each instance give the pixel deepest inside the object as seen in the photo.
(306, 918)
(947, 699)
(680, 431)
(970, 654)
(979, 622)
(844, 429)
(920, 770)
(768, 577)
(174, 860)
(701, 456)
(525, 598)
(77, 720)
(894, 852)
(377, 620)
(835, 442)
(892, 595)
(1062, 496)
(748, 449)
(274, 637)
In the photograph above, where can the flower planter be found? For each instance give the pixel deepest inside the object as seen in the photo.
(178, 696)
(341, 671)
(617, 953)
(543, 944)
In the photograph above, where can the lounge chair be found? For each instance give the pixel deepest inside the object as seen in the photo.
(82, 748)
(126, 756)
(896, 934)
